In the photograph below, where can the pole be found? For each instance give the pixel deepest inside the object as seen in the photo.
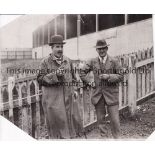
(78, 34)
(126, 19)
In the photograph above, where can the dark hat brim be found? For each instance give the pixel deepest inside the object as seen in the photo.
(102, 46)
(50, 44)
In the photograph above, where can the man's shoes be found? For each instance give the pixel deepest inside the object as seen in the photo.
(103, 131)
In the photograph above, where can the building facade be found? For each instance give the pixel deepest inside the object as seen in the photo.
(125, 33)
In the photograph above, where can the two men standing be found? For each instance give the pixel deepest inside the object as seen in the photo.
(57, 98)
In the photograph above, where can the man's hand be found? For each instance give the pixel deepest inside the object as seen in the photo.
(47, 80)
(60, 71)
(49, 75)
(104, 76)
(50, 78)
(92, 84)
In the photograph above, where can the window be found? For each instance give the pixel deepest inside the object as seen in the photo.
(71, 25)
(51, 27)
(88, 23)
(110, 20)
(41, 37)
(60, 25)
(34, 39)
(138, 17)
(45, 34)
(37, 39)
(35, 55)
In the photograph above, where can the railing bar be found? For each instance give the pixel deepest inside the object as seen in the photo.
(23, 98)
(151, 93)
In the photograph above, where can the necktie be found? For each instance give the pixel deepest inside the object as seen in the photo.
(102, 61)
(102, 65)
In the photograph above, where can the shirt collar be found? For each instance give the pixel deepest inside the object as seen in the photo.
(55, 58)
(64, 58)
(103, 59)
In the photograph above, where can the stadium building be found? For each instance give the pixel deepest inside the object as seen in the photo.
(126, 33)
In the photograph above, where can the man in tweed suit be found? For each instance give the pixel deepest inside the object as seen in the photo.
(105, 93)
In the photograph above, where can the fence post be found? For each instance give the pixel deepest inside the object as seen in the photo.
(11, 83)
(29, 109)
(20, 105)
(37, 110)
(25, 119)
(152, 77)
(1, 105)
(132, 89)
(24, 110)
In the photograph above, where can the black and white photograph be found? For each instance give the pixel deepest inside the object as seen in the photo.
(78, 76)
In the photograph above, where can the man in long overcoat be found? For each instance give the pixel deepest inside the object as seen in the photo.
(57, 90)
(107, 76)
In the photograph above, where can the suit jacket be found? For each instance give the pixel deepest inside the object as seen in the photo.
(108, 88)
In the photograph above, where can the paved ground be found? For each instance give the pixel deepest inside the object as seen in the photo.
(138, 127)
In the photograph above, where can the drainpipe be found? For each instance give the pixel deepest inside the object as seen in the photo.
(78, 34)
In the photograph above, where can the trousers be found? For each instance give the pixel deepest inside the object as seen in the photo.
(113, 112)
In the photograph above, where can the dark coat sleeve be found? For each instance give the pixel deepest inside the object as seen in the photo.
(45, 78)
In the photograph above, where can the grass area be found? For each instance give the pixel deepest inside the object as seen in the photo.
(138, 127)
(18, 64)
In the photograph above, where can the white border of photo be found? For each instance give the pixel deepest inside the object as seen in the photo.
(29, 146)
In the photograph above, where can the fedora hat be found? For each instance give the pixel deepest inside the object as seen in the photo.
(101, 44)
(56, 39)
